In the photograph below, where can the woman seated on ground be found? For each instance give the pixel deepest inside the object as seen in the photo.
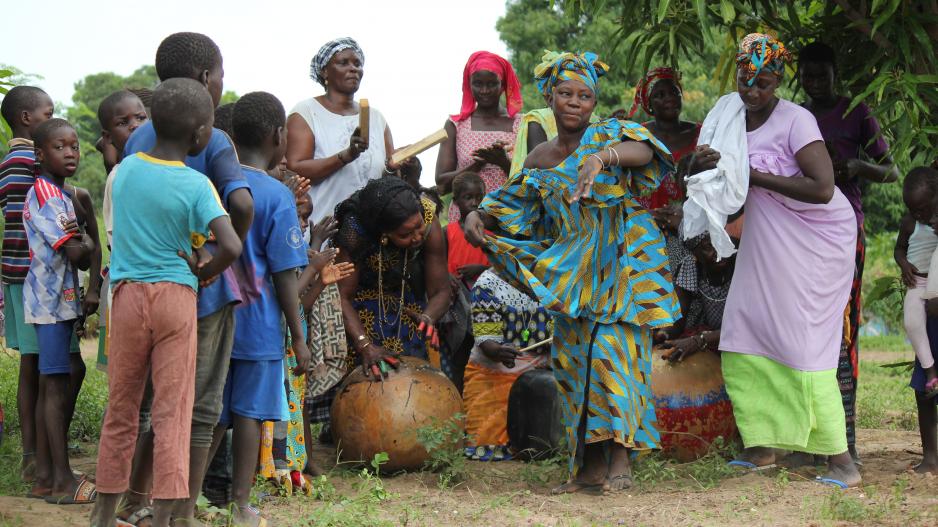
(504, 321)
(399, 289)
(702, 284)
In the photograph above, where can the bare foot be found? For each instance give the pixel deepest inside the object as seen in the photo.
(758, 456)
(311, 469)
(845, 472)
(591, 478)
(250, 517)
(28, 468)
(801, 459)
(927, 466)
(619, 476)
(575, 485)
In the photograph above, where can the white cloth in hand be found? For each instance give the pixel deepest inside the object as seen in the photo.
(714, 194)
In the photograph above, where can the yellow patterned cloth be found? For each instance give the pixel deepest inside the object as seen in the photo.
(600, 267)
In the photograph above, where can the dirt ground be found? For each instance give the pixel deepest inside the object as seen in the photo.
(497, 494)
(515, 493)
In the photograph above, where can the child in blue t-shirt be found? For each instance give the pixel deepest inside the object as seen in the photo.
(195, 56)
(51, 305)
(161, 208)
(273, 249)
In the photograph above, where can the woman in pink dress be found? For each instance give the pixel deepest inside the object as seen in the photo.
(784, 314)
(482, 134)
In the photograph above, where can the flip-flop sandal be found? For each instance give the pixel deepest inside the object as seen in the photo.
(85, 493)
(750, 467)
(832, 482)
(141, 514)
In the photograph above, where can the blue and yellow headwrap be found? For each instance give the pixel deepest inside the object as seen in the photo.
(558, 67)
(759, 52)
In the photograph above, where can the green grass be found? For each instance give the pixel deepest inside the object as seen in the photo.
(884, 399)
(895, 343)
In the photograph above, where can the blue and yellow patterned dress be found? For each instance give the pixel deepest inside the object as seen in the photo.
(600, 267)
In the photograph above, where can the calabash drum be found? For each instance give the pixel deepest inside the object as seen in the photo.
(372, 417)
(535, 428)
(691, 403)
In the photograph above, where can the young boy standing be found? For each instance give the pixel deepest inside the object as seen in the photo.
(154, 279)
(273, 250)
(195, 56)
(24, 108)
(51, 305)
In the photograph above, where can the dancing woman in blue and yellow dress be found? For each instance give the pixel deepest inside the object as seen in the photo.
(568, 231)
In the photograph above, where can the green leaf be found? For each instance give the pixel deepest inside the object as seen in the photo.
(701, 6)
(921, 36)
(662, 9)
(727, 10)
(885, 16)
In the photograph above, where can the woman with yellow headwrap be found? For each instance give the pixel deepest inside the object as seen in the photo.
(784, 314)
(568, 231)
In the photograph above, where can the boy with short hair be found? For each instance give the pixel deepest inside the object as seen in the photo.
(51, 304)
(161, 209)
(195, 56)
(273, 250)
(24, 108)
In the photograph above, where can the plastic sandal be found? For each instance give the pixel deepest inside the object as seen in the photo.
(750, 467)
(832, 482)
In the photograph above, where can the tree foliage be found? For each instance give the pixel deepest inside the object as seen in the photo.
(885, 51)
(531, 26)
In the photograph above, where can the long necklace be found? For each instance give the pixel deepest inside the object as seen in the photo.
(382, 306)
(525, 325)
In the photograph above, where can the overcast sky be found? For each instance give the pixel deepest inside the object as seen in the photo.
(415, 50)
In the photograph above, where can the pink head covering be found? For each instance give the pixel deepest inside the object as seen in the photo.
(485, 61)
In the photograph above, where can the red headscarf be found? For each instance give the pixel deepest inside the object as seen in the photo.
(643, 90)
(485, 61)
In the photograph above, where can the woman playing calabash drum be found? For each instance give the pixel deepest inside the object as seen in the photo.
(784, 314)
(570, 233)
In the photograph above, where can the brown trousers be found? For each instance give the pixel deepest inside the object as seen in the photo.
(153, 329)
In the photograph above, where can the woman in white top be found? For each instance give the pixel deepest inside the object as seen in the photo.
(324, 144)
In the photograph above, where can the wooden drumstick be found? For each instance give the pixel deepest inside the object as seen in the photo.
(363, 115)
(536, 345)
(424, 144)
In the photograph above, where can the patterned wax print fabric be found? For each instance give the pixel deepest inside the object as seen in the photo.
(670, 188)
(796, 260)
(382, 273)
(707, 301)
(283, 445)
(50, 293)
(600, 267)
(468, 141)
(327, 344)
(503, 314)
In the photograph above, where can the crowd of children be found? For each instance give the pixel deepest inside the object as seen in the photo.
(219, 296)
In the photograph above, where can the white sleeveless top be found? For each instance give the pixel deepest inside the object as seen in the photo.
(332, 133)
(922, 244)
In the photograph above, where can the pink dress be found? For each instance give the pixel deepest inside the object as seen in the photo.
(468, 141)
(796, 260)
